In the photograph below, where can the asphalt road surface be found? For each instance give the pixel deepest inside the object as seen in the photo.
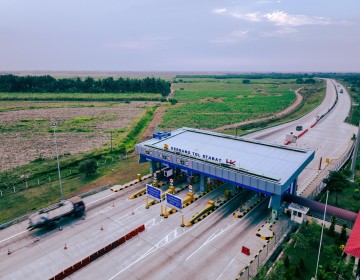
(210, 249)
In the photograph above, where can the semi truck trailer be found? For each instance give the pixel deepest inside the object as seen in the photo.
(51, 215)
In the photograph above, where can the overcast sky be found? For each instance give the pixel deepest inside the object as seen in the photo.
(180, 35)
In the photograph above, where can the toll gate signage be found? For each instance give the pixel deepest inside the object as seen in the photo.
(153, 192)
(174, 201)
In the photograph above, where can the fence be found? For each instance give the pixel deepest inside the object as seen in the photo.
(261, 258)
(46, 180)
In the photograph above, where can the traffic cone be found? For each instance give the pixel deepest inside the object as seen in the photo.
(65, 247)
(9, 252)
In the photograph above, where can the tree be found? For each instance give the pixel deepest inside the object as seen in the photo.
(88, 167)
(332, 226)
(302, 264)
(261, 274)
(290, 273)
(343, 233)
(335, 182)
(246, 81)
(313, 233)
(286, 261)
(299, 240)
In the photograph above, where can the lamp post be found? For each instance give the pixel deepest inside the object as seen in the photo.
(53, 126)
(322, 231)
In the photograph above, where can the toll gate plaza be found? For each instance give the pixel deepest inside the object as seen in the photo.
(263, 167)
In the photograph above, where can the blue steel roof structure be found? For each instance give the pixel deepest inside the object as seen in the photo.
(259, 165)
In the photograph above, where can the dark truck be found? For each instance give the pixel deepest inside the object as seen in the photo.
(50, 215)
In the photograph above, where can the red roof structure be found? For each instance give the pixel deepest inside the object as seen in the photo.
(353, 245)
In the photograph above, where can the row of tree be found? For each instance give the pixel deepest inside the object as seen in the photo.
(13, 83)
(252, 76)
(306, 81)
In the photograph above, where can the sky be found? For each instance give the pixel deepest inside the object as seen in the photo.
(180, 35)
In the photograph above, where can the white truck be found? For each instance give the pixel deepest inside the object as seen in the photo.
(50, 215)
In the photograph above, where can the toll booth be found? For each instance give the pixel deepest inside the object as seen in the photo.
(298, 212)
(264, 167)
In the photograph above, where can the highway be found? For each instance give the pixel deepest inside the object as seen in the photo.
(210, 249)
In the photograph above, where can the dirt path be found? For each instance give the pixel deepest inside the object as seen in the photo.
(172, 92)
(157, 118)
(286, 111)
(153, 124)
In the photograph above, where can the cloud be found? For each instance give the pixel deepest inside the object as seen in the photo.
(233, 37)
(252, 17)
(284, 19)
(220, 11)
(141, 44)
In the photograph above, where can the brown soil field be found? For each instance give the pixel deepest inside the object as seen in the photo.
(84, 126)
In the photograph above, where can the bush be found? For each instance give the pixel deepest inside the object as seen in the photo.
(173, 101)
(356, 194)
(332, 226)
(286, 261)
(302, 264)
(343, 233)
(88, 167)
(122, 148)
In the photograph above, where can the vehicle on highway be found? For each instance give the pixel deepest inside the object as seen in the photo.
(49, 216)
(299, 128)
(341, 90)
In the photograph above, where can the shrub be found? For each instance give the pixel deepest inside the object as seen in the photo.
(286, 261)
(301, 264)
(88, 167)
(332, 226)
(356, 194)
(343, 233)
(173, 101)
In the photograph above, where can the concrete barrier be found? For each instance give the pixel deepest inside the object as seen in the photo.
(84, 262)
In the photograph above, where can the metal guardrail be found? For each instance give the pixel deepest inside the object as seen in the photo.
(338, 166)
(99, 189)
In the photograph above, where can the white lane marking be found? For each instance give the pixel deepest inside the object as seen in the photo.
(216, 234)
(168, 240)
(211, 238)
(106, 209)
(100, 198)
(130, 215)
(226, 267)
(173, 235)
(13, 236)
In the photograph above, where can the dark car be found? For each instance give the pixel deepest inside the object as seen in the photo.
(299, 128)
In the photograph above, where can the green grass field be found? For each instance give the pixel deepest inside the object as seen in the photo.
(209, 103)
(345, 200)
